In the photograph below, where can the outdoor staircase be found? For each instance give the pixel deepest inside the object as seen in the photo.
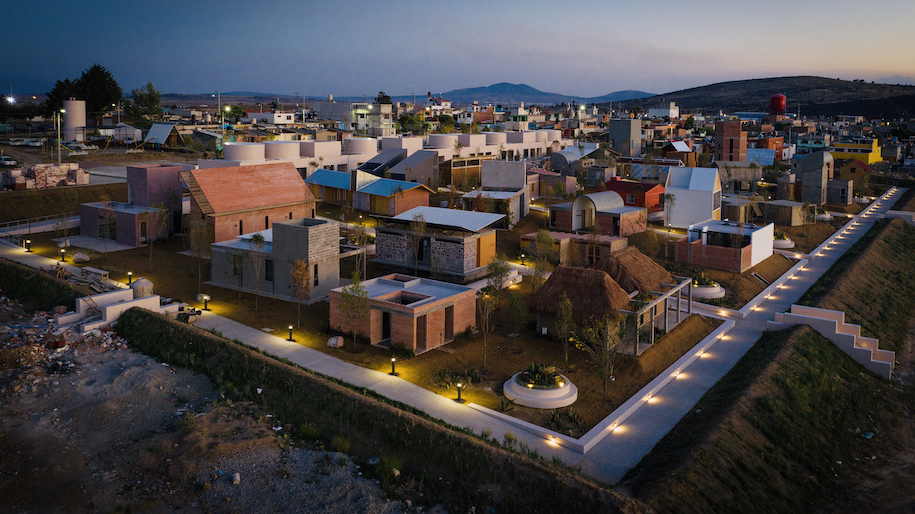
(847, 337)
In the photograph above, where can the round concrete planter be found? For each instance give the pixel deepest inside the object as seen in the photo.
(540, 398)
(708, 292)
(783, 244)
(824, 217)
(864, 199)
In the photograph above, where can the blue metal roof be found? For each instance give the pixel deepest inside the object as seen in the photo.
(388, 187)
(762, 156)
(329, 178)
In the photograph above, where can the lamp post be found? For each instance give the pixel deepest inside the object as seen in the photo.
(58, 135)
(393, 371)
(290, 333)
(522, 259)
(63, 255)
(206, 301)
(459, 400)
(28, 245)
(129, 277)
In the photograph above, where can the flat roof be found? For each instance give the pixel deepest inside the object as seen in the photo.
(728, 227)
(432, 290)
(122, 207)
(495, 195)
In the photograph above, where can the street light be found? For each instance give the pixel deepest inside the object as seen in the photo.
(58, 135)
(290, 333)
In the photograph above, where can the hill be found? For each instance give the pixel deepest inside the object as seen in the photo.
(814, 96)
(506, 93)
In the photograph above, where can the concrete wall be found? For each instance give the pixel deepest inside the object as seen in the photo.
(692, 207)
(502, 175)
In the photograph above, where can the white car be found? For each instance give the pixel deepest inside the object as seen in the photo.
(6, 160)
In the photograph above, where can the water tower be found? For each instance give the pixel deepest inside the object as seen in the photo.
(74, 120)
(778, 103)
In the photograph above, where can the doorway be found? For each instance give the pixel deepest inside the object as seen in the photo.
(385, 326)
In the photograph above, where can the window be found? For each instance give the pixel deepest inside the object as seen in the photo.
(268, 270)
(630, 198)
(266, 222)
(290, 215)
(552, 218)
(241, 227)
(316, 275)
(236, 265)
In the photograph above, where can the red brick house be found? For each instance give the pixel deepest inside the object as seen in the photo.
(419, 313)
(637, 194)
(244, 199)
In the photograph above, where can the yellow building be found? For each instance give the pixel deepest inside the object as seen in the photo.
(863, 149)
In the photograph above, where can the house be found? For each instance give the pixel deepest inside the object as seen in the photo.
(726, 245)
(570, 160)
(421, 167)
(385, 196)
(625, 136)
(315, 241)
(595, 298)
(814, 171)
(783, 212)
(851, 169)
(730, 141)
(696, 194)
(271, 192)
(864, 149)
(130, 223)
(681, 151)
(380, 165)
(571, 249)
(605, 209)
(455, 244)
(637, 194)
(418, 313)
(557, 181)
(162, 135)
(514, 204)
(738, 175)
(635, 271)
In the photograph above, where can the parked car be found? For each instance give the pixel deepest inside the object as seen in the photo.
(6, 160)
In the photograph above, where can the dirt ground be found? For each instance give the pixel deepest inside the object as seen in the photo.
(87, 425)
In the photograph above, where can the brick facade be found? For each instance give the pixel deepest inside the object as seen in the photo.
(735, 260)
(730, 141)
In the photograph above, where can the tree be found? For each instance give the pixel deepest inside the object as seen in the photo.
(496, 274)
(458, 146)
(300, 283)
(517, 314)
(486, 304)
(546, 191)
(417, 235)
(198, 244)
(145, 107)
(96, 86)
(542, 250)
(354, 302)
(565, 326)
(670, 200)
(63, 90)
(600, 338)
(690, 123)
(257, 244)
(156, 223)
(382, 98)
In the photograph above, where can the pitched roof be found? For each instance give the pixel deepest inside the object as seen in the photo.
(240, 188)
(159, 133)
(329, 178)
(592, 292)
(466, 220)
(616, 184)
(634, 271)
(694, 179)
(679, 146)
(389, 187)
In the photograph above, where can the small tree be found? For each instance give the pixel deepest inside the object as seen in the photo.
(198, 244)
(416, 235)
(300, 282)
(542, 250)
(600, 339)
(354, 303)
(517, 314)
(155, 225)
(237, 271)
(547, 191)
(496, 274)
(257, 244)
(670, 200)
(565, 326)
(486, 305)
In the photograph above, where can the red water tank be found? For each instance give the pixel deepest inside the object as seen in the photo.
(778, 103)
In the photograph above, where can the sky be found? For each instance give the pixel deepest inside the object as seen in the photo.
(579, 48)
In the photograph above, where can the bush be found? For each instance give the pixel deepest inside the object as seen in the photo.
(341, 443)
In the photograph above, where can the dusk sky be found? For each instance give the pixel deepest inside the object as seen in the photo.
(583, 48)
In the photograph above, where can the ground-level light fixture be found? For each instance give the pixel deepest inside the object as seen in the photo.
(393, 369)
(129, 277)
(290, 333)
(459, 386)
(206, 301)
(63, 255)
(28, 245)
(522, 259)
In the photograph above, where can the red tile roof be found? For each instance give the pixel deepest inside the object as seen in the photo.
(252, 187)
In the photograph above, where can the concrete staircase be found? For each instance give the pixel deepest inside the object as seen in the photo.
(847, 337)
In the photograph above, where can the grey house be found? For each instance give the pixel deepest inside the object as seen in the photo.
(315, 241)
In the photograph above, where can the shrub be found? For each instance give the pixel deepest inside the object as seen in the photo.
(341, 443)
(540, 376)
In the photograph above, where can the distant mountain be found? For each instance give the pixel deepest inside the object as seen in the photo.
(507, 94)
(814, 96)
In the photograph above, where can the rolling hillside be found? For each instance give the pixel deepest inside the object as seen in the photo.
(812, 95)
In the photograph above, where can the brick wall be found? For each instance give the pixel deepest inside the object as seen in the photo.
(226, 226)
(735, 260)
(563, 219)
(416, 197)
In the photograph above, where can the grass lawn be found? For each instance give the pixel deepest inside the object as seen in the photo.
(34, 203)
(175, 276)
(815, 233)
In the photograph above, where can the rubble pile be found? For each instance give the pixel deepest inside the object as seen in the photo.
(42, 176)
(34, 351)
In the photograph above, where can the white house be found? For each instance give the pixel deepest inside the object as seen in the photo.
(270, 118)
(696, 195)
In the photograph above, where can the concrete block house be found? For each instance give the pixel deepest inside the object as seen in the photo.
(419, 313)
(130, 223)
(605, 208)
(456, 245)
(245, 199)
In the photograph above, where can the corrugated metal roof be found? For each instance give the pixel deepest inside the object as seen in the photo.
(467, 220)
(388, 187)
(329, 178)
(605, 200)
(159, 132)
(680, 146)
(762, 156)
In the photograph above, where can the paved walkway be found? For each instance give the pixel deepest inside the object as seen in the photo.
(614, 455)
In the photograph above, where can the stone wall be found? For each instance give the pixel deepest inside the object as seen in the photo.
(451, 255)
(392, 247)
